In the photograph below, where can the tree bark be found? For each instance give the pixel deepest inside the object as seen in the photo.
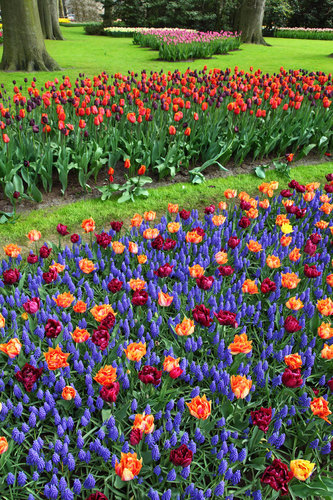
(108, 13)
(250, 21)
(61, 9)
(49, 19)
(23, 47)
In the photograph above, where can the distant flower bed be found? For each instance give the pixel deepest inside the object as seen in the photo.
(1, 37)
(185, 359)
(309, 33)
(120, 32)
(64, 20)
(179, 44)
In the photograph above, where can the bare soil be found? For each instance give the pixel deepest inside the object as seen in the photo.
(76, 193)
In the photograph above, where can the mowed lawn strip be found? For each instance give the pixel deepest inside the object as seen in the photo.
(80, 53)
(187, 195)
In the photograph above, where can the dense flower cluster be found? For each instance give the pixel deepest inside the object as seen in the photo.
(166, 377)
(83, 125)
(175, 44)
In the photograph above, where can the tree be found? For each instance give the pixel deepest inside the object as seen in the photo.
(23, 47)
(49, 19)
(250, 21)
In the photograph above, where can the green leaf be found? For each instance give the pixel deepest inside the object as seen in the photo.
(306, 150)
(259, 171)
(124, 197)
(35, 193)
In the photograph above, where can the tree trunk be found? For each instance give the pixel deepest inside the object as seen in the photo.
(49, 19)
(108, 13)
(23, 47)
(61, 9)
(250, 22)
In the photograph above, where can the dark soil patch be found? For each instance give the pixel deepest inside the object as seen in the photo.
(76, 193)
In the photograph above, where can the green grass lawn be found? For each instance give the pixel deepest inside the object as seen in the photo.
(90, 55)
(188, 196)
(80, 53)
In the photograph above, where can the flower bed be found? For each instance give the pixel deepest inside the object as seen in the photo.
(181, 44)
(120, 32)
(309, 33)
(158, 123)
(187, 358)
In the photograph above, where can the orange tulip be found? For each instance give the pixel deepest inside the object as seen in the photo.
(240, 344)
(325, 199)
(12, 250)
(150, 233)
(2, 321)
(142, 259)
(319, 407)
(88, 225)
(302, 469)
(101, 312)
(64, 299)
(132, 247)
(264, 204)
(193, 237)
(290, 280)
(164, 300)
(127, 163)
(221, 258)
(199, 407)
(325, 307)
(68, 393)
(34, 235)
(313, 186)
(57, 267)
(325, 331)
(295, 255)
(137, 284)
(285, 240)
(55, 358)
(170, 363)
(196, 271)
(80, 307)
(136, 220)
(273, 262)
(142, 170)
(322, 224)
(218, 220)
(149, 215)
(173, 208)
(3, 445)
(249, 286)
(294, 304)
(173, 227)
(244, 196)
(118, 247)
(128, 467)
(185, 328)
(230, 193)
(288, 203)
(327, 352)
(240, 386)
(135, 351)
(308, 196)
(294, 361)
(86, 266)
(254, 246)
(281, 219)
(223, 205)
(144, 422)
(11, 348)
(106, 375)
(326, 208)
(80, 335)
(252, 213)
(329, 279)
